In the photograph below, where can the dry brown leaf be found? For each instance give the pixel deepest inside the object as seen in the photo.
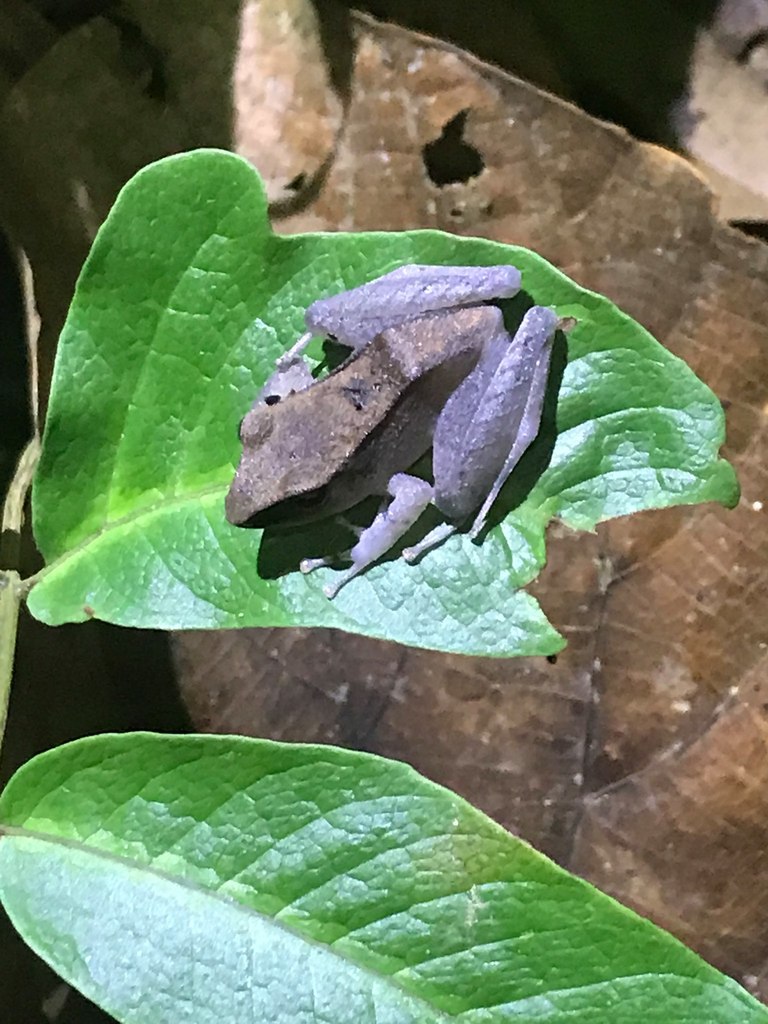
(728, 136)
(636, 758)
(115, 94)
(665, 613)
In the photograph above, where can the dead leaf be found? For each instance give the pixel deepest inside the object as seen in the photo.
(727, 136)
(160, 80)
(287, 113)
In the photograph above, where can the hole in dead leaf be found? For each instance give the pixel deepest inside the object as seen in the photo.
(753, 43)
(297, 184)
(141, 58)
(450, 159)
(755, 228)
(560, 745)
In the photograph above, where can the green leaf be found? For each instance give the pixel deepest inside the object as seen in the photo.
(186, 299)
(211, 878)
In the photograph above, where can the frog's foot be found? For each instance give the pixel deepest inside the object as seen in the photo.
(432, 539)
(291, 373)
(281, 383)
(349, 525)
(481, 518)
(410, 496)
(310, 564)
(294, 353)
(307, 565)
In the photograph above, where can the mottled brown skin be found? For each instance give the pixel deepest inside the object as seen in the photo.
(324, 449)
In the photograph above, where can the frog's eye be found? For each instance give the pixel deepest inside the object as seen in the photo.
(271, 399)
(255, 427)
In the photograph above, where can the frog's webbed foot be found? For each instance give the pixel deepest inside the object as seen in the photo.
(432, 539)
(410, 496)
(307, 565)
(294, 353)
(291, 373)
(342, 520)
(285, 382)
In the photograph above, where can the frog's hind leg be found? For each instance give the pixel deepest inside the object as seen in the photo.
(541, 323)
(410, 496)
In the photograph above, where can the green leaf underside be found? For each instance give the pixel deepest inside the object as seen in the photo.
(224, 879)
(183, 305)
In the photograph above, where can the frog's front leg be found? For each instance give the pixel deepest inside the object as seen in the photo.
(410, 496)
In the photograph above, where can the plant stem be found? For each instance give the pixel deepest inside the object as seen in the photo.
(13, 506)
(12, 589)
(10, 599)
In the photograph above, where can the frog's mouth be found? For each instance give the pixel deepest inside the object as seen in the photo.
(300, 508)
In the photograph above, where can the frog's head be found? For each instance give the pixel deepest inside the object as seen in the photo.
(285, 463)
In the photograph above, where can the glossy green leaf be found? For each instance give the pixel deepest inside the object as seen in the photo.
(186, 299)
(209, 879)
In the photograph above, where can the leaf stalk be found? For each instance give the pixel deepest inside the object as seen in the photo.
(12, 588)
(10, 598)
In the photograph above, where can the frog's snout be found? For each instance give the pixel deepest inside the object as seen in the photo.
(238, 505)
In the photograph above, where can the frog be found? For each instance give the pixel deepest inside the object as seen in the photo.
(431, 365)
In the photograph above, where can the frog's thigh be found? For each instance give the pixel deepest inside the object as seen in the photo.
(356, 316)
(462, 462)
(540, 324)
